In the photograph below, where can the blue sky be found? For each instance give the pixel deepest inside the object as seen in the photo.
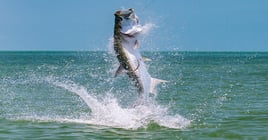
(183, 25)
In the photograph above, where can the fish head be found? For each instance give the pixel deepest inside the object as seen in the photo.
(127, 15)
(127, 18)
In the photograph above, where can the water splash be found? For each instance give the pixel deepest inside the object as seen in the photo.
(108, 112)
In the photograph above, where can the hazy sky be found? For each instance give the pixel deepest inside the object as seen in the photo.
(192, 25)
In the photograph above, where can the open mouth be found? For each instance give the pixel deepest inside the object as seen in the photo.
(126, 14)
(130, 12)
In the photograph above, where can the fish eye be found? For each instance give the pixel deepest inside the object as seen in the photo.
(131, 10)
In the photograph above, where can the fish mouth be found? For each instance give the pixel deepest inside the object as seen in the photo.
(126, 14)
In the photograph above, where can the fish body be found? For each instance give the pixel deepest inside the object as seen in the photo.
(126, 47)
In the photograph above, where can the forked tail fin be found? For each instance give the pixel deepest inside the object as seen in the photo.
(154, 83)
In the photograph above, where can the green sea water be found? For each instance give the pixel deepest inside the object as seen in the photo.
(74, 95)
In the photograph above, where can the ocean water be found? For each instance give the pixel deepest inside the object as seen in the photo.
(74, 95)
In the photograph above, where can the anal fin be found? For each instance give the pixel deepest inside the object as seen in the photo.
(146, 59)
(154, 83)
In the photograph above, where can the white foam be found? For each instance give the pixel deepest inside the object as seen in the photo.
(147, 28)
(108, 112)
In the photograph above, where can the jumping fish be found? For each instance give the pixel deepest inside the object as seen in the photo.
(126, 47)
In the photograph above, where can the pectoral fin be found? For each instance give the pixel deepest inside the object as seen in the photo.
(136, 44)
(154, 83)
(119, 71)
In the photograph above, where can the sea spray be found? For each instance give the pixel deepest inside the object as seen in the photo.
(44, 92)
(108, 112)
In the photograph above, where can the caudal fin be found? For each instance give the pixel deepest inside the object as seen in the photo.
(154, 83)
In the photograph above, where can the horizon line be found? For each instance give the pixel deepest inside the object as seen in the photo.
(141, 51)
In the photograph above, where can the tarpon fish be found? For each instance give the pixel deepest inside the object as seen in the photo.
(126, 46)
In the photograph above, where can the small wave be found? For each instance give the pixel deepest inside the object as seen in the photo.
(108, 112)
